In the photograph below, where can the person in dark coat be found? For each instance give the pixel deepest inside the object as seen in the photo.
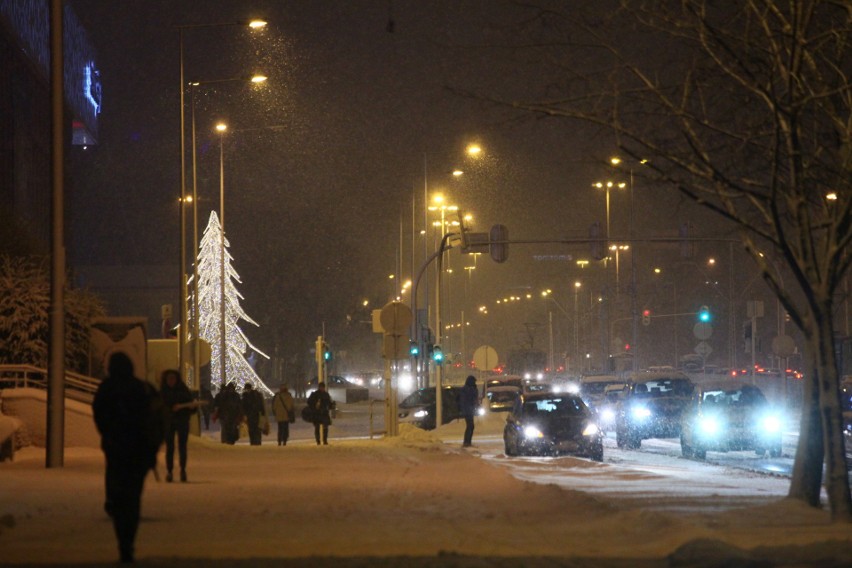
(228, 409)
(179, 406)
(253, 409)
(322, 405)
(468, 404)
(123, 412)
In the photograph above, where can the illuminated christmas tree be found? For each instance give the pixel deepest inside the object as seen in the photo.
(212, 274)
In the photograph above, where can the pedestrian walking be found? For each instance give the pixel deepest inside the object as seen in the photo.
(254, 409)
(321, 406)
(228, 409)
(285, 414)
(128, 415)
(178, 406)
(468, 403)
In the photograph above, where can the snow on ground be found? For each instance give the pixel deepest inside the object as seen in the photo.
(415, 500)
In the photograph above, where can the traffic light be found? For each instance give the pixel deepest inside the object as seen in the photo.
(413, 349)
(704, 315)
(646, 317)
(437, 355)
(326, 353)
(597, 243)
(499, 247)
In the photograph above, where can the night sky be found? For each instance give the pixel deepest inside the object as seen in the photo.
(328, 155)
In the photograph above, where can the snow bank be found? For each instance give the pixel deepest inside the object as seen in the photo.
(30, 406)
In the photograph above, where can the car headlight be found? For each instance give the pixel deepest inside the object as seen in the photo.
(608, 414)
(591, 429)
(532, 432)
(772, 424)
(641, 412)
(421, 414)
(709, 426)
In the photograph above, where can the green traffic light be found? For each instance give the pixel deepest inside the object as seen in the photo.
(704, 315)
(437, 355)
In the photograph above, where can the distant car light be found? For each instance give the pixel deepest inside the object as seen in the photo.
(421, 414)
(480, 411)
(608, 415)
(591, 429)
(532, 432)
(573, 388)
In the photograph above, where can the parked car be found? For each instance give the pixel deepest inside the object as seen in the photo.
(729, 415)
(652, 406)
(552, 424)
(418, 408)
(501, 398)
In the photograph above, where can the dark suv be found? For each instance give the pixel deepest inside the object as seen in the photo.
(730, 415)
(651, 407)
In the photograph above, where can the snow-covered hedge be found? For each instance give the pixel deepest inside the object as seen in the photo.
(24, 305)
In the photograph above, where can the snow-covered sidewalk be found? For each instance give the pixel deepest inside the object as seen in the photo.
(371, 503)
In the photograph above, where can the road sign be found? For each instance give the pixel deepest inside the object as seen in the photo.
(783, 346)
(702, 330)
(485, 358)
(395, 318)
(395, 347)
(703, 349)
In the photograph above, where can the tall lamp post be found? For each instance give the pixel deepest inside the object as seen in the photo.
(634, 309)
(196, 352)
(182, 331)
(607, 186)
(221, 128)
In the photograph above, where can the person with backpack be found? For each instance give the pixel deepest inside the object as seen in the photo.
(285, 413)
(179, 405)
(128, 413)
(321, 406)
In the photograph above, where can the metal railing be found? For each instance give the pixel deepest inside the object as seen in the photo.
(77, 387)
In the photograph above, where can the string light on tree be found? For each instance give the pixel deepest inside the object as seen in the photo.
(237, 368)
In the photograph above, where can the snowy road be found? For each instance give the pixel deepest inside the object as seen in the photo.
(655, 477)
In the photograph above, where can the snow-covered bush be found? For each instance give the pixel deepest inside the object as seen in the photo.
(24, 306)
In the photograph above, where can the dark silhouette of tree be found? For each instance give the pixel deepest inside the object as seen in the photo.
(744, 108)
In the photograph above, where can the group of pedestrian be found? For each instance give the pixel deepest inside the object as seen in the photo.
(134, 420)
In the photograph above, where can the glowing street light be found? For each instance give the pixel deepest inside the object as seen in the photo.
(183, 291)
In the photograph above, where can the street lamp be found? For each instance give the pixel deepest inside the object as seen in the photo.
(221, 128)
(193, 85)
(577, 286)
(182, 331)
(617, 250)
